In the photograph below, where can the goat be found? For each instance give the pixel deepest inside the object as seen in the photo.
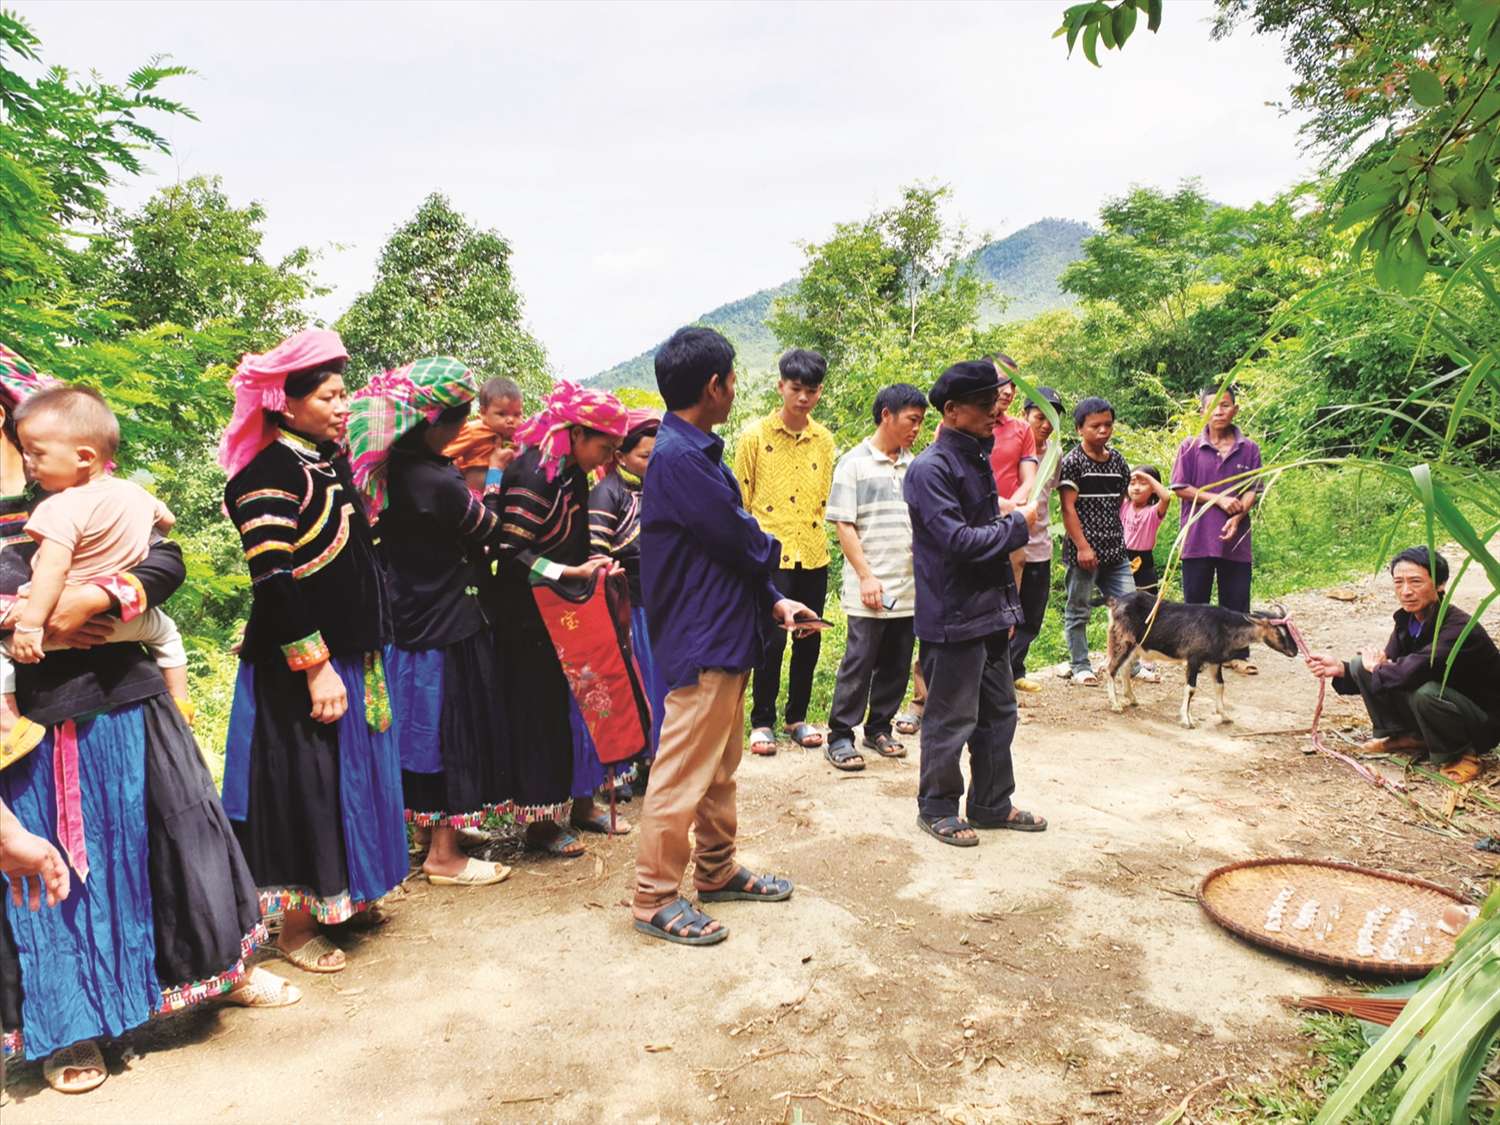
(1196, 635)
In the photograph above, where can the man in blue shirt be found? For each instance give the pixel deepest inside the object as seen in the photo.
(706, 571)
(966, 608)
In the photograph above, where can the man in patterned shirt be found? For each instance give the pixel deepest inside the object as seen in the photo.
(784, 463)
(1094, 480)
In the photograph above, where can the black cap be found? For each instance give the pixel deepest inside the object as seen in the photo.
(1047, 393)
(972, 377)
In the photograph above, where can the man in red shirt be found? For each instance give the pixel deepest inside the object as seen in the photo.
(1013, 458)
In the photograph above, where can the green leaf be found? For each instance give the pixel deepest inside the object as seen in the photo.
(1106, 26)
(1492, 45)
(1440, 185)
(1425, 86)
(1090, 41)
(1124, 23)
(1360, 209)
(1466, 187)
(1153, 12)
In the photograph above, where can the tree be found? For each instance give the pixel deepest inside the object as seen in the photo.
(444, 287)
(889, 298)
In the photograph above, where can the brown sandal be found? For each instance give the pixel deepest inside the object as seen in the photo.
(1463, 771)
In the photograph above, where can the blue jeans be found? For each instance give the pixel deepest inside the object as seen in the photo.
(1114, 581)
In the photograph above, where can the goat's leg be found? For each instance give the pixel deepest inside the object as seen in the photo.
(1129, 665)
(1188, 688)
(1221, 711)
(1113, 645)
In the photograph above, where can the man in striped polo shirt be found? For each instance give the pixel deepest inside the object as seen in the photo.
(873, 524)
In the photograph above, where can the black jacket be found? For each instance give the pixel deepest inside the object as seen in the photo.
(961, 544)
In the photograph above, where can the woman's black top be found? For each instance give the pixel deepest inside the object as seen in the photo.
(317, 578)
(434, 533)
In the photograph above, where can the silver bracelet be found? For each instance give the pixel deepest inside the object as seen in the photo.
(29, 629)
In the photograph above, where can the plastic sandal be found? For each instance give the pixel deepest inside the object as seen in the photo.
(741, 887)
(309, 955)
(886, 746)
(907, 723)
(1021, 822)
(945, 830)
(763, 742)
(76, 1056)
(1463, 771)
(842, 755)
(476, 873)
(599, 822)
(263, 990)
(805, 735)
(681, 912)
(557, 845)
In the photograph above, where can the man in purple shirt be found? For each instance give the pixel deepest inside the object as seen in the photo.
(1210, 477)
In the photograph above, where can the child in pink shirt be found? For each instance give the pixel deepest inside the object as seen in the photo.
(93, 525)
(1145, 505)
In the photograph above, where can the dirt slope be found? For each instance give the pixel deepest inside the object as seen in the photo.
(1066, 976)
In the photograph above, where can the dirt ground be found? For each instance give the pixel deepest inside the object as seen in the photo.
(1063, 977)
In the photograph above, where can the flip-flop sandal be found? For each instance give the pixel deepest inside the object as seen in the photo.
(1243, 667)
(763, 742)
(1084, 679)
(1463, 771)
(557, 845)
(1147, 676)
(843, 756)
(742, 888)
(805, 735)
(945, 829)
(308, 956)
(1021, 822)
(680, 914)
(476, 873)
(599, 823)
(886, 746)
(907, 723)
(264, 990)
(77, 1056)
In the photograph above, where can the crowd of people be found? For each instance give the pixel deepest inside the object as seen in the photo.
(459, 618)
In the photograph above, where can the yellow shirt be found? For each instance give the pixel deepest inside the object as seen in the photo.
(785, 478)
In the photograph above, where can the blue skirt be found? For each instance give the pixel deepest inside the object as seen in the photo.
(317, 807)
(651, 677)
(89, 965)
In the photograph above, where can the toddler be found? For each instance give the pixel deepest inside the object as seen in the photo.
(93, 525)
(500, 416)
(1147, 502)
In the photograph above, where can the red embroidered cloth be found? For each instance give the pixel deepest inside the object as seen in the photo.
(589, 623)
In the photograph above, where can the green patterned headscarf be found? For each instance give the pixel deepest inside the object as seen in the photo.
(391, 406)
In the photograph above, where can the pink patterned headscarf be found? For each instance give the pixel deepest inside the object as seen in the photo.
(18, 379)
(259, 384)
(571, 405)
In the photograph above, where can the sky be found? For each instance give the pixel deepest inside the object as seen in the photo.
(650, 161)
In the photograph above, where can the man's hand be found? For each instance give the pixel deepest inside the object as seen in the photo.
(1228, 504)
(871, 593)
(1032, 512)
(329, 699)
(1323, 666)
(31, 863)
(1372, 658)
(1231, 528)
(1087, 558)
(791, 614)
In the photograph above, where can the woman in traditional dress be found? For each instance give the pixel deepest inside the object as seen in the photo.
(162, 910)
(542, 502)
(312, 778)
(615, 530)
(450, 726)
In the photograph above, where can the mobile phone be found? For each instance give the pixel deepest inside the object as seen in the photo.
(889, 601)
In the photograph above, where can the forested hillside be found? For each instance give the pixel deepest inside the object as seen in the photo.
(1023, 268)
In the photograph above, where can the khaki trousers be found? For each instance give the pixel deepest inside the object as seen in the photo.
(692, 785)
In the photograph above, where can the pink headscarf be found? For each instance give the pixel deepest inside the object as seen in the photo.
(259, 384)
(18, 379)
(570, 405)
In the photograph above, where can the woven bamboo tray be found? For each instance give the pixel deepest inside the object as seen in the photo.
(1240, 896)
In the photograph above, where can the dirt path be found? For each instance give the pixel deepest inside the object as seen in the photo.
(1067, 976)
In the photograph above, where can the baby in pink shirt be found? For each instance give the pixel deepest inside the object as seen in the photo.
(93, 525)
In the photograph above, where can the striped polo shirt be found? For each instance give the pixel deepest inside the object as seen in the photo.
(867, 493)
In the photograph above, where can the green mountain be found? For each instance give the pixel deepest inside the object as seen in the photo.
(1024, 267)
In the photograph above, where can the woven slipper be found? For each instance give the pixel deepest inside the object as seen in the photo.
(476, 873)
(263, 990)
(307, 955)
(76, 1056)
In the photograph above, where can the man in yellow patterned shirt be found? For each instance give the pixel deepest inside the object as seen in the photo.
(784, 463)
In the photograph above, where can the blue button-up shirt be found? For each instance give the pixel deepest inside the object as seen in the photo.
(961, 544)
(706, 565)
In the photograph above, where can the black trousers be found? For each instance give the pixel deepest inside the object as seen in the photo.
(1234, 586)
(873, 673)
(1449, 722)
(1143, 570)
(971, 700)
(810, 587)
(1036, 588)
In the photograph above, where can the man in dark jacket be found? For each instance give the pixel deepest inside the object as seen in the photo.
(966, 607)
(1411, 706)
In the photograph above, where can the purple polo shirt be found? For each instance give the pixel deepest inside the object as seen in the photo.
(1200, 465)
